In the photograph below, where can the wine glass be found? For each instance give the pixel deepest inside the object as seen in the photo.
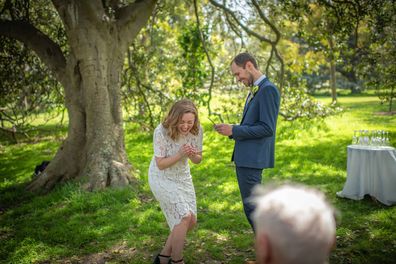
(377, 138)
(360, 137)
(366, 137)
(354, 138)
(387, 139)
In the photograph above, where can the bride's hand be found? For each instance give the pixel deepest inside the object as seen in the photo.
(193, 151)
(185, 150)
(190, 154)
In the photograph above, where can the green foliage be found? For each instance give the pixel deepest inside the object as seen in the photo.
(167, 60)
(298, 104)
(26, 85)
(192, 67)
(127, 226)
(165, 63)
(379, 66)
(345, 22)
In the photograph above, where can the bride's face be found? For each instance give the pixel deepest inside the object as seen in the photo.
(186, 123)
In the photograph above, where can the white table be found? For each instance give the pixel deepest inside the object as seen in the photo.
(371, 170)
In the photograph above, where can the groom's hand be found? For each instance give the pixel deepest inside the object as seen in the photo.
(224, 129)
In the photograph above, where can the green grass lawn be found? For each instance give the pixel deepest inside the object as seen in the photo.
(126, 225)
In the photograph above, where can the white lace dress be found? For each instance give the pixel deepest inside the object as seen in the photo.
(173, 186)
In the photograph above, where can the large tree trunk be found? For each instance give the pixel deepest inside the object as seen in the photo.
(94, 150)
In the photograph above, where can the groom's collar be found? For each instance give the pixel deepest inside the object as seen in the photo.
(258, 81)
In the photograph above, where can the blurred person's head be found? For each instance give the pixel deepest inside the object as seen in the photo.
(293, 224)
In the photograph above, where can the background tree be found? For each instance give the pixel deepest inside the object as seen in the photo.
(319, 28)
(183, 51)
(264, 28)
(167, 62)
(98, 35)
(26, 86)
(378, 65)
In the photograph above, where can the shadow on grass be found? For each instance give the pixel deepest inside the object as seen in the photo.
(18, 167)
(69, 221)
(69, 224)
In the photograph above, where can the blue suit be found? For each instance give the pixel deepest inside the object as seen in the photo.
(255, 140)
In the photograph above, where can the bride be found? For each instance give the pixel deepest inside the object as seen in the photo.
(176, 140)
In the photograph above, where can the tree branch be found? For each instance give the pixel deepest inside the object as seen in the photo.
(244, 27)
(139, 86)
(282, 70)
(74, 10)
(46, 49)
(201, 37)
(266, 20)
(235, 30)
(258, 36)
(114, 4)
(92, 10)
(131, 18)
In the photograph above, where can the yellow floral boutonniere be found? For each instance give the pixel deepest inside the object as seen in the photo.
(254, 89)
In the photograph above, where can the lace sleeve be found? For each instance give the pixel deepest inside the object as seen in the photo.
(159, 143)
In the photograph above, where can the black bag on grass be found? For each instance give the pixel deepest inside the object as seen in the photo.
(41, 167)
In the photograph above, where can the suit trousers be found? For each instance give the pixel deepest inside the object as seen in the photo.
(248, 178)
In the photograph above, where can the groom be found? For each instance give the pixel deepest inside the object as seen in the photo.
(255, 136)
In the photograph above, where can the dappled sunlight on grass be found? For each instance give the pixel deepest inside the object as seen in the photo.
(30, 251)
(218, 206)
(76, 218)
(227, 188)
(71, 222)
(22, 158)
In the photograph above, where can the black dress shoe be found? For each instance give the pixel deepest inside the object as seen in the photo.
(157, 259)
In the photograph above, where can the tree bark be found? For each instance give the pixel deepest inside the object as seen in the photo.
(332, 72)
(94, 150)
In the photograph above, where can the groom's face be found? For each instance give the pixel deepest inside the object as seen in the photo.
(242, 74)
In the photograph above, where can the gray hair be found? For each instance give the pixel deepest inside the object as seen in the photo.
(298, 222)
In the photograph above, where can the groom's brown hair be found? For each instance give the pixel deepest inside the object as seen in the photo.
(242, 58)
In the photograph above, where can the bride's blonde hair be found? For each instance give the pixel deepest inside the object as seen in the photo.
(176, 113)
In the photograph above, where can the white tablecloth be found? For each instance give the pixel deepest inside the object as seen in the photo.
(371, 170)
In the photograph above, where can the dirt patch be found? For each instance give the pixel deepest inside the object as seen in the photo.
(119, 254)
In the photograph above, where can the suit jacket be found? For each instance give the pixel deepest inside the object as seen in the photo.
(255, 136)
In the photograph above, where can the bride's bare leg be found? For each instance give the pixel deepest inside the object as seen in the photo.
(167, 249)
(179, 233)
(193, 223)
